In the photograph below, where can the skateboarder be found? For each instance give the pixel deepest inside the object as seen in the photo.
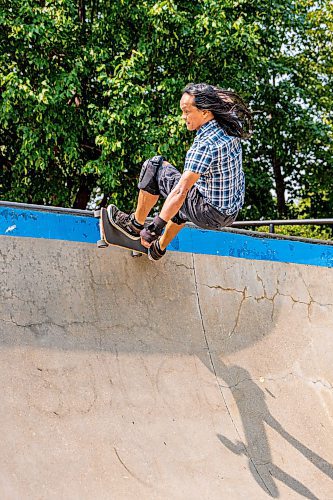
(210, 191)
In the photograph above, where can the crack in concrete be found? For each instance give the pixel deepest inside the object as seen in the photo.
(266, 297)
(183, 265)
(259, 278)
(215, 373)
(224, 289)
(95, 301)
(238, 312)
(228, 289)
(47, 323)
(129, 470)
(263, 464)
(92, 278)
(13, 296)
(324, 383)
(238, 383)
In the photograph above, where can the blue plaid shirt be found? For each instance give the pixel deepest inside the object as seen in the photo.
(217, 157)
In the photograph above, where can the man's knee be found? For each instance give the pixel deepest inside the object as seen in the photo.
(148, 175)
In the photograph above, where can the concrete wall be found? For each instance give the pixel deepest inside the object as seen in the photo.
(199, 376)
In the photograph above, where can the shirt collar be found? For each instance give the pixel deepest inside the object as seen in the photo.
(206, 127)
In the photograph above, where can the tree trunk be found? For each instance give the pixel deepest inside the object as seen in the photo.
(82, 11)
(279, 185)
(83, 195)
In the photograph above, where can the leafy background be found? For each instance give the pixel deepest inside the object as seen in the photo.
(90, 89)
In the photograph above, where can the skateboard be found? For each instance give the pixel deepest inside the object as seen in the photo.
(110, 235)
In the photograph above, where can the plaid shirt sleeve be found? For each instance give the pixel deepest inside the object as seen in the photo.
(198, 159)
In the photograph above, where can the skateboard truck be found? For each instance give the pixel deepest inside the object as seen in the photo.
(100, 243)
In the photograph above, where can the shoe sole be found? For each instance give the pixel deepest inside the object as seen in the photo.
(150, 257)
(110, 215)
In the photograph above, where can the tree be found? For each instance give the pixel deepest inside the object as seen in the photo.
(90, 91)
(295, 140)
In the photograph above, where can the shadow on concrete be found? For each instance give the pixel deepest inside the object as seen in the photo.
(254, 413)
(62, 312)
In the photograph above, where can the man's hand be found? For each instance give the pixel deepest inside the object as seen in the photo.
(147, 238)
(152, 232)
(144, 243)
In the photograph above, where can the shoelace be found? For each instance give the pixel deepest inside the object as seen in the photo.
(122, 217)
(126, 221)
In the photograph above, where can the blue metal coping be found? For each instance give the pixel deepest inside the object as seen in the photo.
(59, 224)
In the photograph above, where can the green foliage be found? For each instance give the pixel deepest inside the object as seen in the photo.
(301, 231)
(90, 90)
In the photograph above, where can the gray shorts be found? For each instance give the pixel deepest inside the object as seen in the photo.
(195, 208)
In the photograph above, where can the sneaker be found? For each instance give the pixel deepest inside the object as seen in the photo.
(125, 223)
(155, 252)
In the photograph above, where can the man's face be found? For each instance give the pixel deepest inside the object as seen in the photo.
(192, 116)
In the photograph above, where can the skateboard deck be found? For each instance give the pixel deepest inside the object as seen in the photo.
(110, 235)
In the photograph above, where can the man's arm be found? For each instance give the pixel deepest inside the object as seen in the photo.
(170, 208)
(177, 196)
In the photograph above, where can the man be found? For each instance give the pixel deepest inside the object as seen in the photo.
(210, 191)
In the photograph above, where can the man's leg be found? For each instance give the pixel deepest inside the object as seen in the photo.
(158, 247)
(157, 178)
(171, 230)
(132, 224)
(146, 202)
(166, 177)
(148, 180)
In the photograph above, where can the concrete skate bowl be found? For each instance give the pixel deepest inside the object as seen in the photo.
(202, 376)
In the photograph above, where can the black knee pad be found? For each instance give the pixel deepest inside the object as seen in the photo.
(147, 179)
(177, 219)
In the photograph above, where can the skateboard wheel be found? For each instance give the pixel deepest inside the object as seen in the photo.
(136, 254)
(97, 213)
(102, 244)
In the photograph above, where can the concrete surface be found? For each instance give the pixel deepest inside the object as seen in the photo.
(197, 377)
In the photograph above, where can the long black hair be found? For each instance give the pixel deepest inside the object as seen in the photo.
(228, 108)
